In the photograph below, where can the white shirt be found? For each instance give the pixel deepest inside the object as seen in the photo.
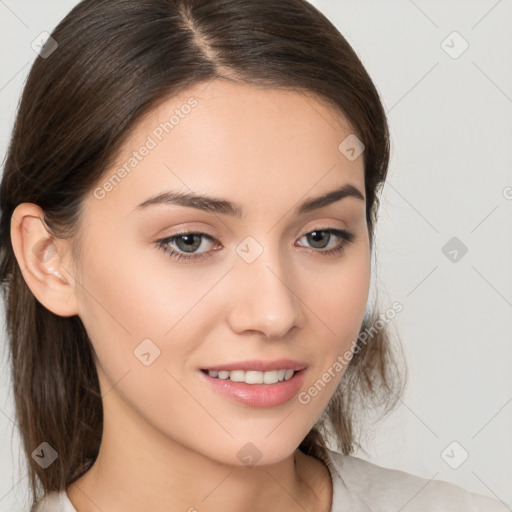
(361, 486)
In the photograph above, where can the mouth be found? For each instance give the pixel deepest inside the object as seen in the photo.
(252, 376)
(257, 383)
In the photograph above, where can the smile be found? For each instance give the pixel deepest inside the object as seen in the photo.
(255, 388)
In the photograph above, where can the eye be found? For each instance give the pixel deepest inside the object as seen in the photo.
(320, 239)
(187, 243)
(184, 246)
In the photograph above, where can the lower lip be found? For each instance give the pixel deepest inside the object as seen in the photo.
(258, 395)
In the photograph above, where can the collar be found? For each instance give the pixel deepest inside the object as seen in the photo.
(344, 499)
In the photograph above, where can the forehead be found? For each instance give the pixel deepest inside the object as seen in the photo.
(234, 140)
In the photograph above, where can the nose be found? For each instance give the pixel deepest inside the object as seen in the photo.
(266, 297)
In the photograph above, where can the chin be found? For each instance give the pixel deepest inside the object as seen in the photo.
(260, 451)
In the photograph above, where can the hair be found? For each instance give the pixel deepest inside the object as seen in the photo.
(116, 61)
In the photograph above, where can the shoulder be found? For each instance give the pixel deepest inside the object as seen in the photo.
(54, 502)
(385, 489)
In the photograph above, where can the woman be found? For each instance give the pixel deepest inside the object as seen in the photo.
(188, 212)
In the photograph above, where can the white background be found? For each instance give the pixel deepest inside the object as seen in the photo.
(451, 127)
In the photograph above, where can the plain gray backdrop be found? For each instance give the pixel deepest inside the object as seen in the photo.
(444, 240)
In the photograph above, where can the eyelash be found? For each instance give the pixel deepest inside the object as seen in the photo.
(164, 243)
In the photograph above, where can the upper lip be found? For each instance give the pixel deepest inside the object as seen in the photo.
(259, 365)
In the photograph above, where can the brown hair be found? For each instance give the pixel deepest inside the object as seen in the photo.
(115, 61)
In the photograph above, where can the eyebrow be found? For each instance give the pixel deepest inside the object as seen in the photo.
(217, 205)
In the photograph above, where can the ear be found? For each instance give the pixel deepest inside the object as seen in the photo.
(41, 258)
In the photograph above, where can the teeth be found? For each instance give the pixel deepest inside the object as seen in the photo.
(253, 377)
(237, 375)
(270, 377)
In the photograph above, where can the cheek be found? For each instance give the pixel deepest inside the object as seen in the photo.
(351, 299)
(341, 306)
(120, 308)
(341, 301)
(343, 313)
(143, 331)
(134, 303)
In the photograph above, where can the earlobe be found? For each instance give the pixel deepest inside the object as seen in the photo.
(41, 260)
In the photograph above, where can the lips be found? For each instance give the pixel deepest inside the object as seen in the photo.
(257, 383)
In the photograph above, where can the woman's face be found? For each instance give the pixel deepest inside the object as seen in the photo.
(264, 285)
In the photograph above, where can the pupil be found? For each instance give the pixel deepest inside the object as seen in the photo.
(189, 241)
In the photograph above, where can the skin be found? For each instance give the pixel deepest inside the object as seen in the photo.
(170, 442)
